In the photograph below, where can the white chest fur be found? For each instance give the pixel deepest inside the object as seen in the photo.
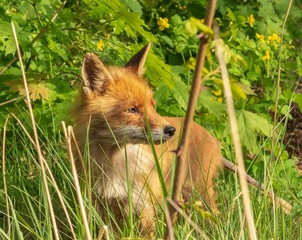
(127, 171)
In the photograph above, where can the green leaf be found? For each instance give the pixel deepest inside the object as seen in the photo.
(231, 15)
(193, 25)
(181, 93)
(133, 5)
(167, 40)
(158, 71)
(190, 28)
(9, 45)
(248, 125)
(127, 20)
(209, 101)
(298, 100)
(162, 93)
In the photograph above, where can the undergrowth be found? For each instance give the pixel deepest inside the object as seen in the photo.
(30, 219)
(54, 37)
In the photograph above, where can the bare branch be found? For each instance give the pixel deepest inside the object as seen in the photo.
(181, 161)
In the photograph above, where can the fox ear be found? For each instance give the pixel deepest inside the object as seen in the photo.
(95, 74)
(137, 62)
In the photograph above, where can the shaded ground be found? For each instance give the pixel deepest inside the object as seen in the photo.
(293, 136)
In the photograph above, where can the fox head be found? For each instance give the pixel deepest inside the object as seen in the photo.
(118, 103)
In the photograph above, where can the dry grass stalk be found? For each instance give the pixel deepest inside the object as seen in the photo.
(235, 136)
(181, 162)
(36, 138)
(52, 178)
(9, 101)
(4, 177)
(68, 132)
(84, 169)
(103, 230)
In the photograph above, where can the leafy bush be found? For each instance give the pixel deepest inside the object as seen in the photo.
(54, 38)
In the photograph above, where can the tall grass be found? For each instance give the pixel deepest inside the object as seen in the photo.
(29, 216)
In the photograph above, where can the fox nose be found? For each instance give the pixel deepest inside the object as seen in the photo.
(169, 130)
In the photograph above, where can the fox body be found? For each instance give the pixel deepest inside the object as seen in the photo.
(114, 113)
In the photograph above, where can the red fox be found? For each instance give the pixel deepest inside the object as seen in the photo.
(114, 113)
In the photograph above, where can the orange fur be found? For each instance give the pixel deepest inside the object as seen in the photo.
(116, 106)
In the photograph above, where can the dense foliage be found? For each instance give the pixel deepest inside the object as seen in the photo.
(54, 38)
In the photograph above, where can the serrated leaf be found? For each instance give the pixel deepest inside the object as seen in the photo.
(237, 91)
(158, 71)
(130, 20)
(36, 90)
(162, 92)
(134, 5)
(248, 125)
(181, 93)
(209, 101)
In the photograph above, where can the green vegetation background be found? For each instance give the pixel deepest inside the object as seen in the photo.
(53, 47)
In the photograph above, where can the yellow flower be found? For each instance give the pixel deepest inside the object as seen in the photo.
(267, 55)
(251, 20)
(217, 93)
(191, 63)
(181, 7)
(200, 21)
(13, 10)
(163, 23)
(100, 45)
(273, 38)
(261, 37)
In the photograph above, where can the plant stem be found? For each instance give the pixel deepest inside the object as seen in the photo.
(36, 138)
(181, 152)
(235, 136)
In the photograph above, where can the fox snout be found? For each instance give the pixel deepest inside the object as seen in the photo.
(161, 135)
(169, 130)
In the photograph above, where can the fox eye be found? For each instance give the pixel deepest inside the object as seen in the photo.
(132, 110)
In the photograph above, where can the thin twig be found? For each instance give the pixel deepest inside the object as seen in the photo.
(36, 138)
(286, 206)
(9, 101)
(41, 33)
(235, 136)
(4, 177)
(169, 224)
(68, 136)
(279, 75)
(181, 161)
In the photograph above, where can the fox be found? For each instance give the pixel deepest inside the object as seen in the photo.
(116, 118)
